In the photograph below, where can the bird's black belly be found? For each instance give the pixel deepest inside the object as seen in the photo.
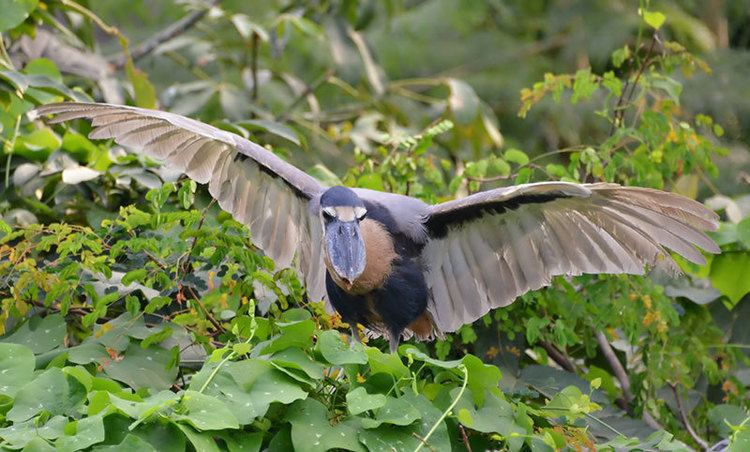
(388, 309)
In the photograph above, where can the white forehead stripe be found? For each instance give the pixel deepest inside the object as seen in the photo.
(345, 213)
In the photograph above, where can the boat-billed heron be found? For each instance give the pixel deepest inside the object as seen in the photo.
(394, 264)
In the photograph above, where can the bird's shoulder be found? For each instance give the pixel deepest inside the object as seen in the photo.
(399, 213)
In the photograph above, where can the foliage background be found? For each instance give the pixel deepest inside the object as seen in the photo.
(133, 309)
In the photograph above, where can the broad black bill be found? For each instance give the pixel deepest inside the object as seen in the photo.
(346, 249)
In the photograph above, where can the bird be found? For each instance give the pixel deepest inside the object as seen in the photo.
(398, 266)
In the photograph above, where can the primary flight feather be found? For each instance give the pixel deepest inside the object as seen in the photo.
(394, 264)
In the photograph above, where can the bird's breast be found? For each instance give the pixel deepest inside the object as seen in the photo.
(379, 256)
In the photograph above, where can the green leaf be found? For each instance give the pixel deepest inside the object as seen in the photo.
(337, 352)
(143, 409)
(483, 378)
(620, 55)
(51, 391)
(612, 83)
(496, 416)
(516, 156)
(743, 232)
(39, 334)
(16, 367)
(201, 441)
(373, 181)
(534, 327)
(145, 93)
(463, 101)
(21, 434)
(311, 430)
(294, 358)
(143, 368)
(293, 334)
(242, 348)
(389, 363)
(358, 401)
(654, 18)
(242, 441)
(389, 437)
(86, 432)
(5, 228)
(248, 387)
(394, 412)
(43, 66)
(729, 272)
(273, 127)
(740, 440)
(584, 85)
(136, 275)
(205, 412)
(722, 416)
(131, 443)
(14, 12)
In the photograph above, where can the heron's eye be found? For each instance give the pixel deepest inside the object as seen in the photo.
(328, 215)
(361, 213)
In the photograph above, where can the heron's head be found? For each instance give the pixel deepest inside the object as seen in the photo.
(341, 210)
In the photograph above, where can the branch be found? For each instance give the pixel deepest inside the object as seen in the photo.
(558, 357)
(175, 29)
(465, 438)
(622, 376)
(614, 363)
(619, 110)
(309, 89)
(683, 417)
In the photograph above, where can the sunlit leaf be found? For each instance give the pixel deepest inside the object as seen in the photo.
(15, 12)
(729, 274)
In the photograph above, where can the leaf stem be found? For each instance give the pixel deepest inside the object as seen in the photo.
(215, 371)
(447, 410)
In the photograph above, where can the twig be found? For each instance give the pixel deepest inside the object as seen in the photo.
(308, 90)
(423, 442)
(617, 368)
(619, 111)
(622, 377)
(206, 312)
(465, 438)
(558, 357)
(482, 180)
(149, 45)
(683, 417)
(254, 65)
(186, 265)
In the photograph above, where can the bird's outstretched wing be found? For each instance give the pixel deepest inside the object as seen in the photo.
(487, 249)
(254, 185)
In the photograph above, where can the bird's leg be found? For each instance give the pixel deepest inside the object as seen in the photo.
(355, 333)
(393, 340)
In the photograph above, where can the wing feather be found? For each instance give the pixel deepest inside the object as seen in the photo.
(259, 189)
(487, 249)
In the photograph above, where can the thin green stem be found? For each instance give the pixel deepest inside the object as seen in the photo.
(743, 346)
(448, 410)
(215, 371)
(8, 146)
(4, 57)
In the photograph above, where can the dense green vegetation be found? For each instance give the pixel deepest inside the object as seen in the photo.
(135, 315)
